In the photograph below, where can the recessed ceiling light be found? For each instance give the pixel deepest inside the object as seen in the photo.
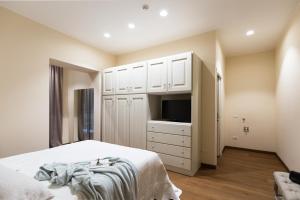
(131, 25)
(107, 35)
(250, 32)
(163, 13)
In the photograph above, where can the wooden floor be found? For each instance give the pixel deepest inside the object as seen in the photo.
(240, 175)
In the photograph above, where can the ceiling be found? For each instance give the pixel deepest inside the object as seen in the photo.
(89, 20)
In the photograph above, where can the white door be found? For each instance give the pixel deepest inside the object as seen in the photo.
(138, 78)
(108, 81)
(138, 120)
(180, 73)
(122, 80)
(157, 75)
(122, 120)
(108, 119)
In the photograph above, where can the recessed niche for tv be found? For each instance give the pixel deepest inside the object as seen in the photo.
(176, 110)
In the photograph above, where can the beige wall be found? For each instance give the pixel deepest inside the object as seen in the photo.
(250, 94)
(25, 50)
(288, 95)
(220, 67)
(74, 80)
(203, 45)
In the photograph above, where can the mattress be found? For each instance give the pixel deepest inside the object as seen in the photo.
(153, 181)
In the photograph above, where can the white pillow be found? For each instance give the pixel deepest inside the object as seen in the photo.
(16, 186)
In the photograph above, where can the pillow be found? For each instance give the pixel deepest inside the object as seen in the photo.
(16, 186)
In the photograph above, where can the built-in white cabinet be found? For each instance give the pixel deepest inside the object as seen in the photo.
(108, 81)
(157, 75)
(131, 79)
(138, 120)
(125, 108)
(138, 78)
(172, 141)
(108, 119)
(122, 79)
(171, 74)
(180, 73)
(122, 120)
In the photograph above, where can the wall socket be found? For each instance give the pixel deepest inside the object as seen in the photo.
(234, 137)
(246, 129)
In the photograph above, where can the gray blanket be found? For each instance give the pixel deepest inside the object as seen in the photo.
(109, 179)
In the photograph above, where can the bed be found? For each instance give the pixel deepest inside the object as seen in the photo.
(153, 181)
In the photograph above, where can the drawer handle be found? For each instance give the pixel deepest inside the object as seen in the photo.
(152, 138)
(182, 130)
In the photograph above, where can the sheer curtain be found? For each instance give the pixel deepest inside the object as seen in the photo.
(56, 112)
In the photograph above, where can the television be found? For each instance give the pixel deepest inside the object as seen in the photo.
(176, 110)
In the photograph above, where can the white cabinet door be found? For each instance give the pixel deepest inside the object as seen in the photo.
(180, 73)
(122, 120)
(122, 79)
(108, 81)
(138, 78)
(108, 119)
(138, 120)
(157, 76)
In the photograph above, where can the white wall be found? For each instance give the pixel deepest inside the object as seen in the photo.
(250, 94)
(288, 95)
(25, 50)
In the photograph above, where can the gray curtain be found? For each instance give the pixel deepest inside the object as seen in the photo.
(86, 114)
(55, 119)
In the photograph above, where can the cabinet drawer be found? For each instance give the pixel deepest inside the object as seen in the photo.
(178, 140)
(175, 161)
(170, 127)
(183, 152)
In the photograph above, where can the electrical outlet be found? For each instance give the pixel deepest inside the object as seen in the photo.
(234, 137)
(246, 129)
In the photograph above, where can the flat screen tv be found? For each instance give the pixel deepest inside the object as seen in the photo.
(176, 110)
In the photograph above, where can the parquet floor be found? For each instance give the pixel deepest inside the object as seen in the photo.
(240, 175)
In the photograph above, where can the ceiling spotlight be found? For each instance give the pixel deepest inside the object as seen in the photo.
(250, 32)
(163, 13)
(106, 35)
(131, 25)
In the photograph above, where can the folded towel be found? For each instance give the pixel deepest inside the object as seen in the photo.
(295, 177)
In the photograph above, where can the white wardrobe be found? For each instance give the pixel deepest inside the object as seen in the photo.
(127, 108)
(124, 101)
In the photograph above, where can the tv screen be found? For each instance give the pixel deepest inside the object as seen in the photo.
(176, 110)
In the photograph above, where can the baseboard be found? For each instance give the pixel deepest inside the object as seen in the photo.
(246, 149)
(208, 166)
(285, 166)
(259, 151)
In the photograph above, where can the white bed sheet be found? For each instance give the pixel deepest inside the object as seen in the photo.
(153, 180)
